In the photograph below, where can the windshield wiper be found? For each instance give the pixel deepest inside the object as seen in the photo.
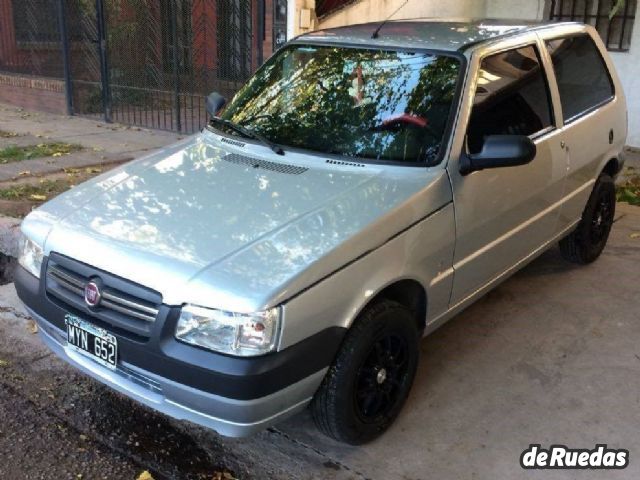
(248, 133)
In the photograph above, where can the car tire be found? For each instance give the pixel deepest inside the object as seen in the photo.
(370, 379)
(586, 242)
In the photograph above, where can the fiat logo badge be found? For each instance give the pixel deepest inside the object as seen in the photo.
(92, 294)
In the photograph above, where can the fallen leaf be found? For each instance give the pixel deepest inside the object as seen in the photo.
(145, 476)
(635, 235)
(57, 154)
(37, 197)
(4, 363)
(83, 437)
(223, 476)
(32, 326)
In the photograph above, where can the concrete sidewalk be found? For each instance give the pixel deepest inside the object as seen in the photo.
(114, 139)
(104, 145)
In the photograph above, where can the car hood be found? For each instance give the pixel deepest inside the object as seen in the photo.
(233, 227)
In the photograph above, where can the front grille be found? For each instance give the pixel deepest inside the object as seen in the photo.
(124, 304)
(111, 299)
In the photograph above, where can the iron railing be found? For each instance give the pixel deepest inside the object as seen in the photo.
(142, 62)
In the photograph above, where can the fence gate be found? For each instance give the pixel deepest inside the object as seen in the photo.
(152, 62)
(141, 62)
(85, 45)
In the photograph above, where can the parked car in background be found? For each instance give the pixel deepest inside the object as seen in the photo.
(359, 191)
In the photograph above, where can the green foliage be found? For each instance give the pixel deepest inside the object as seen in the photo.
(41, 191)
(629, 191)
(14, 153)
(615, 8)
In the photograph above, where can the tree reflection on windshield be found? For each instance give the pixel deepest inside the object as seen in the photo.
(382, 105)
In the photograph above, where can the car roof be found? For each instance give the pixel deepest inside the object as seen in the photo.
(448, 35)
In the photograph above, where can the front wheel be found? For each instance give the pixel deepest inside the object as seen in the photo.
(366, 387)
(586, 242)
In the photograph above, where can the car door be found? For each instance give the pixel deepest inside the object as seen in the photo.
(505, 214)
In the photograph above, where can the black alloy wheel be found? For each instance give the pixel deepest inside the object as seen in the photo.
(370, 379)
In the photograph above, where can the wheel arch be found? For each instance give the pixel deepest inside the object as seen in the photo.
(408, 292)
(612, 167)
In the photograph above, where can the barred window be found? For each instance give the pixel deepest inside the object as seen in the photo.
(35, 21)
(181, 39)
(615, 31)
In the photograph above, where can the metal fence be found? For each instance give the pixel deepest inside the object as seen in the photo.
(141, 62)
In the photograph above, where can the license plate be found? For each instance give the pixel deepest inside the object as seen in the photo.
(91, 341)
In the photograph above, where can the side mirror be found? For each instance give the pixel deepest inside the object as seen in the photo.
(499, 151)
(215, 102)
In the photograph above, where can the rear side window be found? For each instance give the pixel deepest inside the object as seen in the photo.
(512, 97)
(583, 78)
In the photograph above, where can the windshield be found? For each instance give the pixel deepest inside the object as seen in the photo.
(382, 105)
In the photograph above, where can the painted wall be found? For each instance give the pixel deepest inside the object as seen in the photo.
(373, 10)
(528, 9)
(628, 66)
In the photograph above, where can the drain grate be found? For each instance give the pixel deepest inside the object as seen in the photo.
(257, 163)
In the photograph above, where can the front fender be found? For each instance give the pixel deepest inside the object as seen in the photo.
(423, 253)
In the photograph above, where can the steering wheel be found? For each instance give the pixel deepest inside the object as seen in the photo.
(406, 119)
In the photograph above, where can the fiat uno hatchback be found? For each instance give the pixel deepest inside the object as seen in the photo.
(367, 184)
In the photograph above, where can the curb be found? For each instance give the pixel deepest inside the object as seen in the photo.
(9, 236)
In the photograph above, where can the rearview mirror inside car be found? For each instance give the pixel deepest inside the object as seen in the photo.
(215, 103)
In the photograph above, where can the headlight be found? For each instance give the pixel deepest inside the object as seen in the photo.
(30, 255)
(239, 334)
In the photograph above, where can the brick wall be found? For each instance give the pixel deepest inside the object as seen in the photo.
(267, 46)
(33, 93)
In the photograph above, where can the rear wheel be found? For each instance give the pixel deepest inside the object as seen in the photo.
(586, 242)
(367, 385)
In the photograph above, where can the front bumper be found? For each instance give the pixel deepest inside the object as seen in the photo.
(240, 395)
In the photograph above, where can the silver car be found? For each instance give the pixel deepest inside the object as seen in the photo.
(367, 184)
